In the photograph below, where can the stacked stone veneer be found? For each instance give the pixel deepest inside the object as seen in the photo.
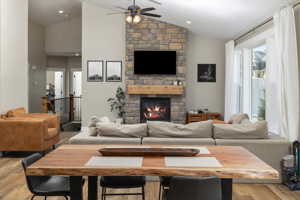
(152, 34)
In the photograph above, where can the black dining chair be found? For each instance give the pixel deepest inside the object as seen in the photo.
(164, 185)
(45, 185)
(122, 182)
(191, 188)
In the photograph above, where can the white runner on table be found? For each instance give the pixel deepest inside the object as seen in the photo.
(192, 162)
(202, 150)
(112, 161)
(126, 146)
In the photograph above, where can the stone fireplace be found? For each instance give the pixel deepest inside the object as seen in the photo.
(152, 34)
(155, 109)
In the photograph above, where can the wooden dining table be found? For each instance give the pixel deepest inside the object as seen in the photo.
(70, 160)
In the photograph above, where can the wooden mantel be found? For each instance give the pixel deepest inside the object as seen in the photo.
(155, 89)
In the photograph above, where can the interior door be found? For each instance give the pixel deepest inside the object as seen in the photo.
(59, 84)
(77, 83)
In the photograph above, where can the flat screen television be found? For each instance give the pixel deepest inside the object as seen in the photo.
(155, 62)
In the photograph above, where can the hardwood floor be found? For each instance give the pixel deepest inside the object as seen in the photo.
(13, 186)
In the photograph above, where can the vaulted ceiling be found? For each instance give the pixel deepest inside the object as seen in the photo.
(223, 19)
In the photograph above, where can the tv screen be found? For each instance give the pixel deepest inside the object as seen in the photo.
(155, 62)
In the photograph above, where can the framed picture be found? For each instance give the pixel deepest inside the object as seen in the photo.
(206, 73)
(95, 71)
(113, 71)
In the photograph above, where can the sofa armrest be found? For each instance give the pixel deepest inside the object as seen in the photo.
(20, 133)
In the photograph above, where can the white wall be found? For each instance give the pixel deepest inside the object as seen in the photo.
(37, 66)
(13, 54)
(203, 50)
(103, 38)
(64, 37)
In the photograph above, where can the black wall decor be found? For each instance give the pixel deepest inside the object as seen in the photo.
(206, 73)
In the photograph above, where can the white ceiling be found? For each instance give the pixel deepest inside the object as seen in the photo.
(223, 19)
(45, 12)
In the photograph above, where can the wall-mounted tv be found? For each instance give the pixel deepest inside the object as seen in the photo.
(155, 62)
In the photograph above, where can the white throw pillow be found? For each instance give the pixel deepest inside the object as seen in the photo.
(238, 118)
(246, 130)
(122, 130)
(168, 129)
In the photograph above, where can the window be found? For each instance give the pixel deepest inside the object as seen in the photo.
(258, 75)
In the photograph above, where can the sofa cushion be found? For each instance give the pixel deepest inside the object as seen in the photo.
(257, 130)
(51, 133)
(178, 141)
(172, 130)
(84, 138)
(122, 130)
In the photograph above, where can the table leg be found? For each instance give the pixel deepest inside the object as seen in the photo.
(226, 189)
(76, 187)
(93, 188)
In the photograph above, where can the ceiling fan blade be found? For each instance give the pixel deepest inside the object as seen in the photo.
(150, 15)
(147, 9)
(116, 13)
(122, 8)
(155, 1)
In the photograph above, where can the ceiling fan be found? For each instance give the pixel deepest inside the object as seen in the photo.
(134, 12)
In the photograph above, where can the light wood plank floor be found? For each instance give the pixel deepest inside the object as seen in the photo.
(13, 186)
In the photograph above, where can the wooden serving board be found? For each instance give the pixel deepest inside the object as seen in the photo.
(148, 152)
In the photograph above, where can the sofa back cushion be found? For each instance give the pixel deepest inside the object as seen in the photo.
(246, 130)
(168, 129)
(122, 130)
(16, 112)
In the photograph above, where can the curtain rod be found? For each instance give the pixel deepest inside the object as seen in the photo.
(262, 24)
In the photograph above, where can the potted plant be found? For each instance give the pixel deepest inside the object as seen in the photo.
(117, 104)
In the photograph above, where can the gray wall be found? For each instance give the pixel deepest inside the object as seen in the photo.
(203, 50)
(64, 37)
(37, 66)
(103, 38)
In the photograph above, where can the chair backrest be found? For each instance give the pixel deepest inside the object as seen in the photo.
(32, 181)
(191, 188)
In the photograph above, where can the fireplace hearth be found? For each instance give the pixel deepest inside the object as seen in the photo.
(155, 109)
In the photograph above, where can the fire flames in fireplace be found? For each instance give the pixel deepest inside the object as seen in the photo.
(155, 109)
(155, 112)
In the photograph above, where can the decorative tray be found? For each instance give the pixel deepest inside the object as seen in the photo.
(148, 152)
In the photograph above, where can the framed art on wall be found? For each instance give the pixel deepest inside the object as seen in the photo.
(113, 71)
(95, 71)
(206, 73)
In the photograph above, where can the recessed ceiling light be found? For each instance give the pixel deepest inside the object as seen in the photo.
(188, 22)
(77, 54)
(61, 11)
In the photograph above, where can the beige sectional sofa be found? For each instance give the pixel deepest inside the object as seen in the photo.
(270, 149)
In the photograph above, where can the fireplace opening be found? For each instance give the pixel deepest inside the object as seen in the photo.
(155, 109)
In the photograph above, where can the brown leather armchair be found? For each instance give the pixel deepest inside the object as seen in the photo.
(20, 131)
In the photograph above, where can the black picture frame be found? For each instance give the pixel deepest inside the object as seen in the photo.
(92, 68)
(114, 71)
(206, 73)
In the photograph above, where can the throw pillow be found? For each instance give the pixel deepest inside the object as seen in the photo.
(238, 118)
(168, 129)
(246, 130)
(122, 130)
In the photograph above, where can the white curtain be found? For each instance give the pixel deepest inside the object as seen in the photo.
(288, 80)
(272, 91)
(231, 81)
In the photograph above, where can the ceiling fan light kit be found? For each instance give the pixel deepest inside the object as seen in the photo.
(134, 12)
(133, 19)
